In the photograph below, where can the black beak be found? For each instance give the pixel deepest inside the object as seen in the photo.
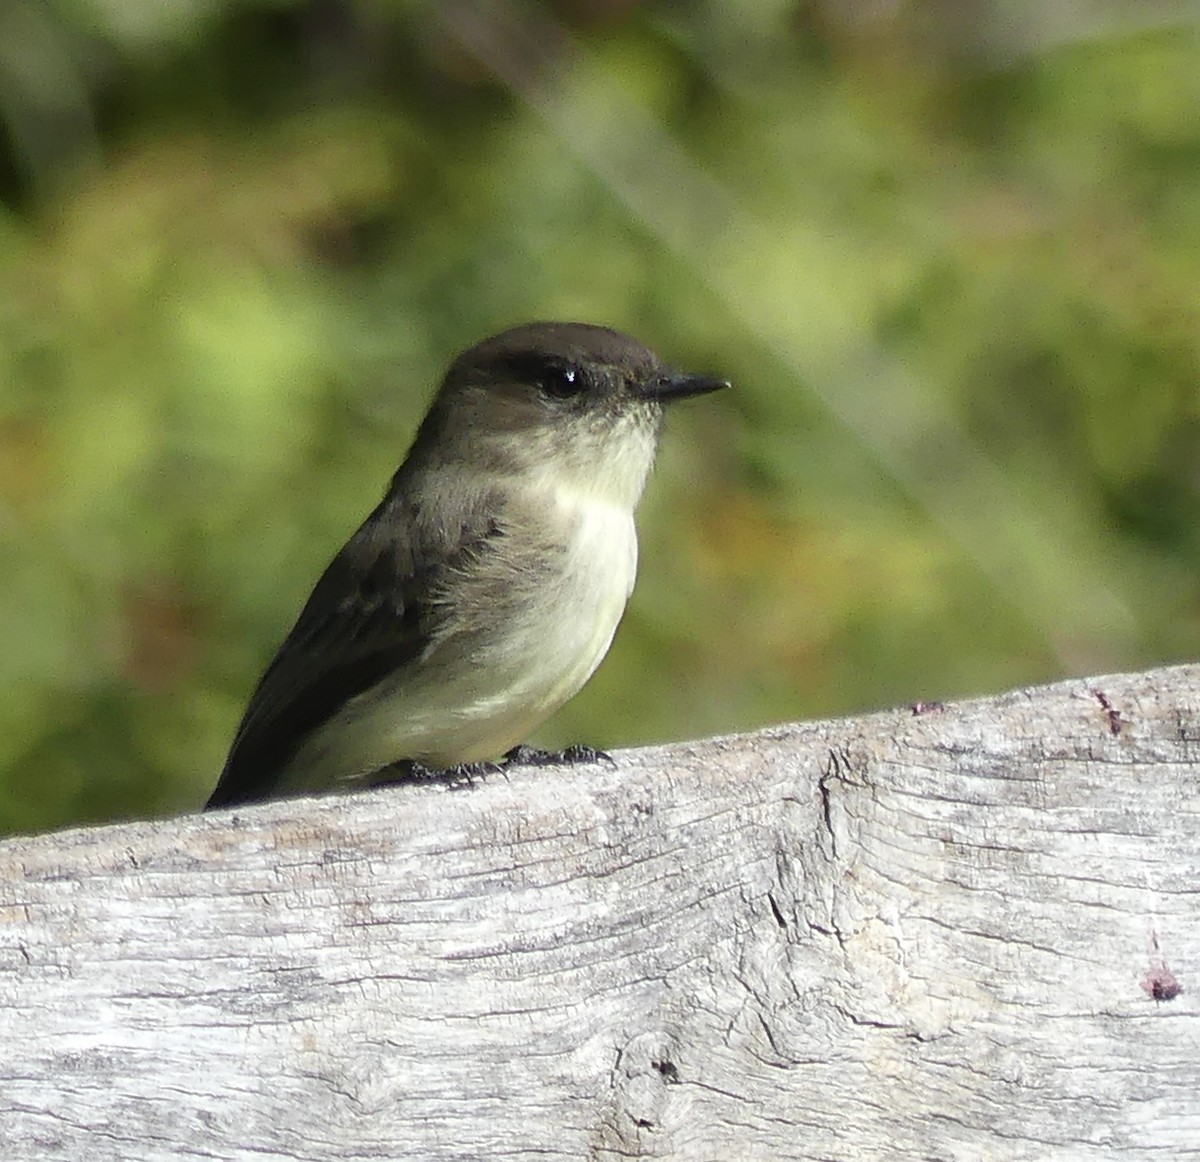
(670, 386)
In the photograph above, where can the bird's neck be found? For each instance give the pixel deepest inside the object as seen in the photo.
(608, 471)
(611, 470)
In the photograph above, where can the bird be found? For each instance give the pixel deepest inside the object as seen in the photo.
(485, 587)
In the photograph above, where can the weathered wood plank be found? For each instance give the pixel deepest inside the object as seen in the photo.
(905, 936)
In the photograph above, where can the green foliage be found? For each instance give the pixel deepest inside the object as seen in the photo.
(950, 269)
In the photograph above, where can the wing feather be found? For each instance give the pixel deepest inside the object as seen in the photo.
(369, 614)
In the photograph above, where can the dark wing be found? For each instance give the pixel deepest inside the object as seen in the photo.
(368, 615)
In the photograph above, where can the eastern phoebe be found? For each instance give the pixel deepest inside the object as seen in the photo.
(486, 586)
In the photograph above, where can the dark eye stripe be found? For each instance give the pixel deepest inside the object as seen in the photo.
(554, 377)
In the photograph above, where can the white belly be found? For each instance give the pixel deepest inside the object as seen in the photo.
(571, 636)
(462, 706)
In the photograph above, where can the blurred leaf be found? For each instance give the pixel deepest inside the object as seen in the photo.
(948, 257)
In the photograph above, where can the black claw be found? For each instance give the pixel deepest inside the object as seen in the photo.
(527, 756)
(465, 774)
(531, 756)
(411, 771)
(579, 753)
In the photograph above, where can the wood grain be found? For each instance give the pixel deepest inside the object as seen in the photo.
(934, 935)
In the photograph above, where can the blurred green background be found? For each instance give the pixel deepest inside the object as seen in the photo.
(948, 252)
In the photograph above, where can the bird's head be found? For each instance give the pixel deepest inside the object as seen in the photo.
(576, 404)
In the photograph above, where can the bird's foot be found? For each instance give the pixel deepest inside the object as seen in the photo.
(577, 754)
(410, 771)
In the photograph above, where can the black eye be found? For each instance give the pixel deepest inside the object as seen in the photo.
(553, 377)
(562, 382)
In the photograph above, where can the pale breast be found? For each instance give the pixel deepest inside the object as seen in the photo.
(567, 598)
(601, 566)
(546, 603)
